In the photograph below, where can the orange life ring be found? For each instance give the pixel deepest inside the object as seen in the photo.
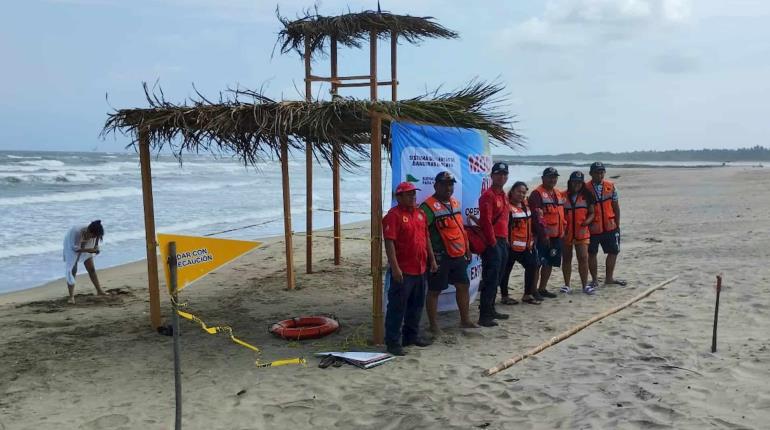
(305, 327)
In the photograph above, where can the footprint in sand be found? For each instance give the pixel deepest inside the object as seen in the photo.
(111, 421)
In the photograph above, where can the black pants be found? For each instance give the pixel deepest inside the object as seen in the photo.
(528, 260)
(493, 261)
(405, 304)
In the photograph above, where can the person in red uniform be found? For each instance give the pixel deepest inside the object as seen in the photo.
(407, 246)
(493, 220)
(451, 248)
(579, 213)
(547, 204)
(605, 229)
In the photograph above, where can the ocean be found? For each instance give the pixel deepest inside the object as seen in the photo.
(43, 194)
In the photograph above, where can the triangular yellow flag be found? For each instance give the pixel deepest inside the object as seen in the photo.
(197, 256)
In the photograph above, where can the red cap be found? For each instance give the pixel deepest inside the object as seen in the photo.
(404, 187)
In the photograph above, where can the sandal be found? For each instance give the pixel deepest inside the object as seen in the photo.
(620, 282)
(531, 301)
(327, 361)
(565, 289)
(508, 301)
(590, 290)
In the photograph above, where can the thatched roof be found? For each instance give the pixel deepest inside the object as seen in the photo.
(352, 29)
(253, 129)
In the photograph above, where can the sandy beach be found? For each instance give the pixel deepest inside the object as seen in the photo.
(98, 365)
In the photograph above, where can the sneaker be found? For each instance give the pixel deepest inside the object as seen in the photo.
(546, 293)
(566, 289)
(396, 350)
(487, 322)
(538, 297)
(498, 316)
(419, 342)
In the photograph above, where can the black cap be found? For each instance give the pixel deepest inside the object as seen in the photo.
(550, 171)
(500, 167)
(445, 177)
(577, 176)
(597, 166)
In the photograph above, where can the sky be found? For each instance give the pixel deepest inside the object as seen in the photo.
(580, 75)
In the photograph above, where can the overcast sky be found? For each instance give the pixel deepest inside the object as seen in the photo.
(581, 75)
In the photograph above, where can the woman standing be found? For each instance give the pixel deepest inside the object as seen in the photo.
(81, 243)
(522, 241)
(579, 212)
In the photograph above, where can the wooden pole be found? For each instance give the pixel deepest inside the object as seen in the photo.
(393, 66)
(287, 213)
(308, 170)
(716, 314)
(378, 321)
(172, 268)
(149, 227)
(554, 340)
(336, 166)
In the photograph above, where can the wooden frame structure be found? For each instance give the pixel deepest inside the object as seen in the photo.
(330, 128)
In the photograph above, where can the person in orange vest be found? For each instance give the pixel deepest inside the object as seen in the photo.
(522, 242)
(579, 213)
(451, 248)
(407, 246)
(547, 204)
(605, 228)
(493, 220)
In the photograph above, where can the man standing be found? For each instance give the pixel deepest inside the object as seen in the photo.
(605, 228)
(406, 244)
(547, 204)
(451, 249)
(493, 220)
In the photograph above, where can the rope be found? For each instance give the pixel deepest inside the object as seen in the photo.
(240, 228)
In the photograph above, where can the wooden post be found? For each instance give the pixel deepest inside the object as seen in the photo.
(149, 227)
(393, 68)
(287, 213)
(378, 320)
(716, 314)
(308, 170)
(336, 165)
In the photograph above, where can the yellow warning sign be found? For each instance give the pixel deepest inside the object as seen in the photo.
(196, 256)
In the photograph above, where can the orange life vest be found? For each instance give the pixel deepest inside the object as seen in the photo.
(521, 229)
(604, 219)
(576, 216)
(449, 225)
(552, 211)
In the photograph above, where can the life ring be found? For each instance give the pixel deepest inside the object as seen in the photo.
(305, 327)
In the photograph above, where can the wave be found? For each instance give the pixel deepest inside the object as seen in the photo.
(72, 197)
(23, 157)
(112, 239)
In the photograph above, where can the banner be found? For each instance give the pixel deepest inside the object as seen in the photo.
(420, 152)
(196, 256)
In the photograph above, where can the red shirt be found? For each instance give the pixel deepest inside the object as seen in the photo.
(408, 229)
(493, 215)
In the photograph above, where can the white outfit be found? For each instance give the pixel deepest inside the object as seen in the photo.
(72, 241)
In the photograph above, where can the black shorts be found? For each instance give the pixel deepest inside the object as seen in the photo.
(451, 270)
(610, 242)
(550, 255)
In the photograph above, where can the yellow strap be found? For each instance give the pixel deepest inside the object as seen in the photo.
(285, 362)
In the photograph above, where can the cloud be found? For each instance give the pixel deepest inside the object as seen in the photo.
(675, 63)
(566, 23)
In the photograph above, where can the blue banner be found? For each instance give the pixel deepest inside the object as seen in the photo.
(420, 152)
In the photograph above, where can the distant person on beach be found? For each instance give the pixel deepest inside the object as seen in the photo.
(547, 204)
(605, 228)
(451, 249)
(579, 213)
(81, 243)
(407, 246)
(522, 247)
(493, 220)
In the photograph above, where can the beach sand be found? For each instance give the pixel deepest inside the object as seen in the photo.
(97, 365)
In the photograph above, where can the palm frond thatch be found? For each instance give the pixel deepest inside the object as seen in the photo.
(254, 130)
(353, 29)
